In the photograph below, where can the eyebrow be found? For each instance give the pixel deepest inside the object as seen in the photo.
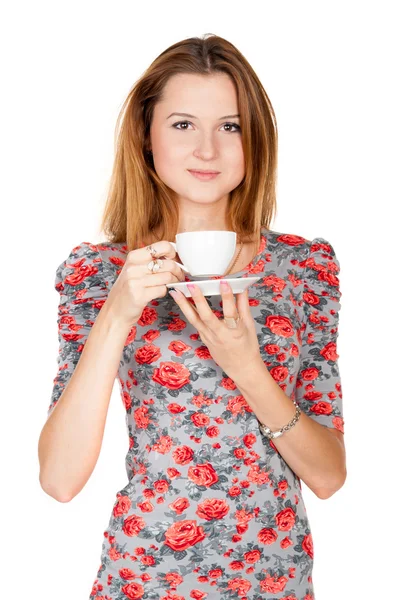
(193, 116)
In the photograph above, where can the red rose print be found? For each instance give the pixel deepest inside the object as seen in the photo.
(257, 268)
(179, 505)
(163, 445)
(127, 400)
(329, 351)
(249, 440)
(147, 354)
(290, 240)
(133, 525)
(214, 573)
(252, 557)
(175, 408)
(236, 565)
(172, 375)
(161, 486)
(183, 535)
(203, 474)
(276, 283)
(286, 542)
(148, 560)
(272, 348)
(212, 508)
(273, 585)
(310, 298)
(279, 373)
(178, 347)
(148, 317)
(194, 595)
(321, 408)
(307, 545)
(212, 431)
(203, 353)
(313, 395)
(121, 506)
(228, 383)
(126, 574)
(239, 585)
(145, 507)
(285, 519)
(133, 590)
(183, 455)
(280, 325)
(174, 579)
(141, 417)
(338, 423)
(80, 273)
(176, 324)
(309, 374)
(200, 419)
(329, 278)
(115, 260)
(267, 536)
(238, 405)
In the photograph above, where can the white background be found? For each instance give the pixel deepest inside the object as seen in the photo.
(331, 70)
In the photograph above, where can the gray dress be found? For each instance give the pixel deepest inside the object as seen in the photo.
(211, 510)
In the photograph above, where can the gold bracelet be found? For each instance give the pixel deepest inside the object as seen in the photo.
(267, 432)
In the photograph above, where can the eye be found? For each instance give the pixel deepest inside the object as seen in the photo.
(236, 127)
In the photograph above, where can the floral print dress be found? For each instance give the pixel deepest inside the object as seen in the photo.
(211, 510)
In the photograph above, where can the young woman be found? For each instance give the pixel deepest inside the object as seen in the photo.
(213, 507)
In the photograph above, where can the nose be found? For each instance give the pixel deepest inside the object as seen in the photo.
(206, 147)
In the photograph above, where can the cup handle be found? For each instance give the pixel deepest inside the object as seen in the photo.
(183, 267)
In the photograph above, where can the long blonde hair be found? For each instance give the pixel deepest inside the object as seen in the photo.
(140, 209)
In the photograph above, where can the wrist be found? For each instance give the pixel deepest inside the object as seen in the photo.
(246, 377)
(114, 321)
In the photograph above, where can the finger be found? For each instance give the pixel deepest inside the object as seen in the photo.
(161, 248)
(189, 311)
(206, 314)
(243, 305)
(164, 266)
(230, 308)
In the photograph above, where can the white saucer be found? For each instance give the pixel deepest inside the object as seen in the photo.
(211, 287)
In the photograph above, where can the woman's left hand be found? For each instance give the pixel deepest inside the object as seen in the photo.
(233, 349)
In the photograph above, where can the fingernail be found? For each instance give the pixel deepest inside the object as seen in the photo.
(173, 294)
(191, 287)
(224, 285)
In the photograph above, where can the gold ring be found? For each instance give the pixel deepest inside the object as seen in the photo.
(232, 322)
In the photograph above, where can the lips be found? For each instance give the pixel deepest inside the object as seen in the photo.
(203, 172)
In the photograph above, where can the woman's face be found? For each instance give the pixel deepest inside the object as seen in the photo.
(204, 140)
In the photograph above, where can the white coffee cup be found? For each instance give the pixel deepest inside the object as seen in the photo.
(205, 253)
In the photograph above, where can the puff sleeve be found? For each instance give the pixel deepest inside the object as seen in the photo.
(318, 386)
(80, 283)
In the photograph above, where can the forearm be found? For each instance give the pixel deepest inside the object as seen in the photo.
(312, 452)
(70, 441)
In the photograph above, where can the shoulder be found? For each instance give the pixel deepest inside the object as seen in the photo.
(322, 268)
(286, 241)
(82, 268)
(314, 260)
(294, 246)
(287, 246)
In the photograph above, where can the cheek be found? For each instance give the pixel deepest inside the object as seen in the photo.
(235, 165)
(233, 155)
(168, 159)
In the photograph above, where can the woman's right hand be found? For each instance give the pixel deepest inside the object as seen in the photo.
(136, 285)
